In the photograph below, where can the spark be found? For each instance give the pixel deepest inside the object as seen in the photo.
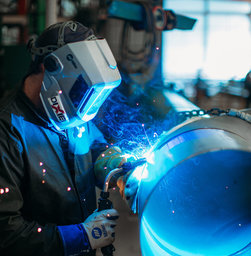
(7, 190)
(40, 163)
(121, 123)
(39, 230)
(155, 135)
(69, 189)
(60, 92)
(143, 125)
(1, 191)
(43, 181)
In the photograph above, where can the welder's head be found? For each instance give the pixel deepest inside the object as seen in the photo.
(80, 72)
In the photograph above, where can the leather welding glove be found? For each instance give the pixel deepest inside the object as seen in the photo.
(108, 160)
(99, 227)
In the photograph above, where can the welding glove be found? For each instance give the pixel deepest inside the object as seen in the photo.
(99, 227)
(128, 187)
(110, 159)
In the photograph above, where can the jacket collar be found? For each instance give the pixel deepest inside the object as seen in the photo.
(34, 114)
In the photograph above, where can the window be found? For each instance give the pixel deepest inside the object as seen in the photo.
(219, 46)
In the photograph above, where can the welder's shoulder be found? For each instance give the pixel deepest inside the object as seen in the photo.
(9, 136)
(8, 102)
(7, 108)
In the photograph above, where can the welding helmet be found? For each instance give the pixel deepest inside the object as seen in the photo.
(79, 76)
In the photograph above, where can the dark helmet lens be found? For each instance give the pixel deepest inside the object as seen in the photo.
(78, 91)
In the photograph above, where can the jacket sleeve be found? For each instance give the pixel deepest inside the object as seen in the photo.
(19, 236)
(75, 240)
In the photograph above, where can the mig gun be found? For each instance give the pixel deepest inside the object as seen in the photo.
(104, 203)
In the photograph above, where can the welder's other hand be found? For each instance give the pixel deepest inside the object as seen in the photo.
(99, 227)
(128, 187)
(110, 159)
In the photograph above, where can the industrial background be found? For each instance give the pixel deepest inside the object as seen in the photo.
(170, 53)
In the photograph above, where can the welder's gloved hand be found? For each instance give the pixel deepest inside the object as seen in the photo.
(128, 187)
(99, 227)
(110, 159)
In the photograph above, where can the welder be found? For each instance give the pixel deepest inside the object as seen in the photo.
(52, 155)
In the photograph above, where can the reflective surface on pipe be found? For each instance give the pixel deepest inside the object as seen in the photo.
(195, 196)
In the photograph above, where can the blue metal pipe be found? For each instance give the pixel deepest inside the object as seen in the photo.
(194, 196)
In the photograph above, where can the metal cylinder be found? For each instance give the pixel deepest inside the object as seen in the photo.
(194, 197)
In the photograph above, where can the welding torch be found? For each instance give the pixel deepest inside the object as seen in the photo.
(104, 203)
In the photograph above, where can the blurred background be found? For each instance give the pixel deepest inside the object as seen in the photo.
(207, 62)
(198, 49)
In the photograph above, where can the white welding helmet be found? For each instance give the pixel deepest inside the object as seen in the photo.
(78, 78)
